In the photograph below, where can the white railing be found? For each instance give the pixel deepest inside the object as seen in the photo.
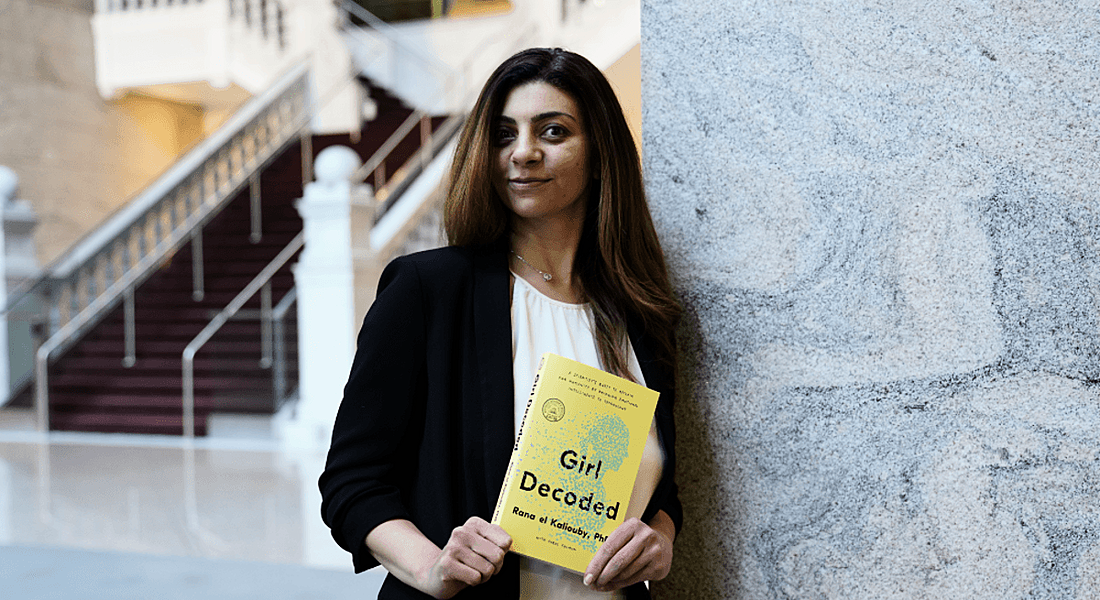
(266, 17)
(104, 268)
(112, 6)
(154, 42)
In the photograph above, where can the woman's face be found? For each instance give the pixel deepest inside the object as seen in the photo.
(541, 167)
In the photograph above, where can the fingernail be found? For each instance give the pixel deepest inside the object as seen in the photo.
(589, 578)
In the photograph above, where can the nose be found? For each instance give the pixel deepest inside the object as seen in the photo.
(525, 151)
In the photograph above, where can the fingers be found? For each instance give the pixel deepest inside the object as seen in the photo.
(488, 541)
(493, 533)
(456, 566)
(619, 538)
(474, 553)
(633, 552)
(632, 571)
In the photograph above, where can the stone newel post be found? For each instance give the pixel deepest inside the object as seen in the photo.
(333, 210)
(337, 214)
(17, 263)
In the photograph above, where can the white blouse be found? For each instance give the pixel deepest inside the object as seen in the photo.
(541, 324)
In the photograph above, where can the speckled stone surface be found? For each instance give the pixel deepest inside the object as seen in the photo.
(883, 218)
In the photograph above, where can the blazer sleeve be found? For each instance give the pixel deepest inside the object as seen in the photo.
(668, 499)
(662, 378)
(374, 436)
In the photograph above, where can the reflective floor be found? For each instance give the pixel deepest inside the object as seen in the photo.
(236, 495)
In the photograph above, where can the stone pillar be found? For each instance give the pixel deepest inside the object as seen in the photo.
(332, 209)
(337, 217)
(17, 264)
(882, 221)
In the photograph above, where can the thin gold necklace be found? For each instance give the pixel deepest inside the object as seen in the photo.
(545, 276)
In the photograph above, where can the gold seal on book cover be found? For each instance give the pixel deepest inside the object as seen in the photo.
(553, 409)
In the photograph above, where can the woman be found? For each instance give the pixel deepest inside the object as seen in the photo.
(551, 249)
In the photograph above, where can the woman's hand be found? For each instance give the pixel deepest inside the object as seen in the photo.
(633, 552)
(473, 554)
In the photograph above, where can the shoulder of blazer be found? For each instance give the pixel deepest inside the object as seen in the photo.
(438, 262)
(450, 262)
(449, 277)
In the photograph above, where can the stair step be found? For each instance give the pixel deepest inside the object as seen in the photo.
(100, 422)
(119, 403)
(167, 366)
(87, 384)
(180, 328)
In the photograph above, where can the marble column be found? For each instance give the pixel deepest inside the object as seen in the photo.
(882, 219)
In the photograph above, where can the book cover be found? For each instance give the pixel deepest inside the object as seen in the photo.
(575, 460)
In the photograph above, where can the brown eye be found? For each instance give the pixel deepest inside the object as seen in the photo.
(503, 136)
(555, 132)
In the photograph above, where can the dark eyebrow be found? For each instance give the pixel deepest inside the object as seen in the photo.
(550, 115)
(539, 117)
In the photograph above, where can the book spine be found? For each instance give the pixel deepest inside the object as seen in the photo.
(508, 479)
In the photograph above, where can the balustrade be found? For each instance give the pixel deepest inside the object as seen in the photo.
(266, 17)
(105, 268)
(113, 6)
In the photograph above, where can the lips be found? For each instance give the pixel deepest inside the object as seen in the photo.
(523, 183)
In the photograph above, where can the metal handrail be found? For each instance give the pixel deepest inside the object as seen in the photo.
(220, 319)
(115, 258)
(431, 142)
(380, 155)
(184, 173)
(193, 174)
(278, 370)
(390, 191)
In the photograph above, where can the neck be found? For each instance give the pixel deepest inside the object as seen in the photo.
(549, 250)
(552, 251)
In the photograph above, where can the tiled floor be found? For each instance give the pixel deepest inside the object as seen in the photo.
(234, 498)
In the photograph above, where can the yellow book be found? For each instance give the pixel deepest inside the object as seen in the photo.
(575, 460)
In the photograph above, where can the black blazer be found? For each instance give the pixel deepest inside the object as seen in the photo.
(425, 428)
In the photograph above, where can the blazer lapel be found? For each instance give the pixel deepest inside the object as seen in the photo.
(493, 340)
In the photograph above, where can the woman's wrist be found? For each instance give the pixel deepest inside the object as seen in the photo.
(474, 552)
(405, 552)
(663, 524)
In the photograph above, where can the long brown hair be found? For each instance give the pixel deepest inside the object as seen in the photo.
(619, 260)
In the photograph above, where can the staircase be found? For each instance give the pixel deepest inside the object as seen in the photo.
(90, 386)
(91, 389)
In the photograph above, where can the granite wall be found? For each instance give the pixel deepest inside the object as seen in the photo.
(883, 221)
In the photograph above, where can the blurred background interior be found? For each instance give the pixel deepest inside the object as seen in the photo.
(197, 199)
